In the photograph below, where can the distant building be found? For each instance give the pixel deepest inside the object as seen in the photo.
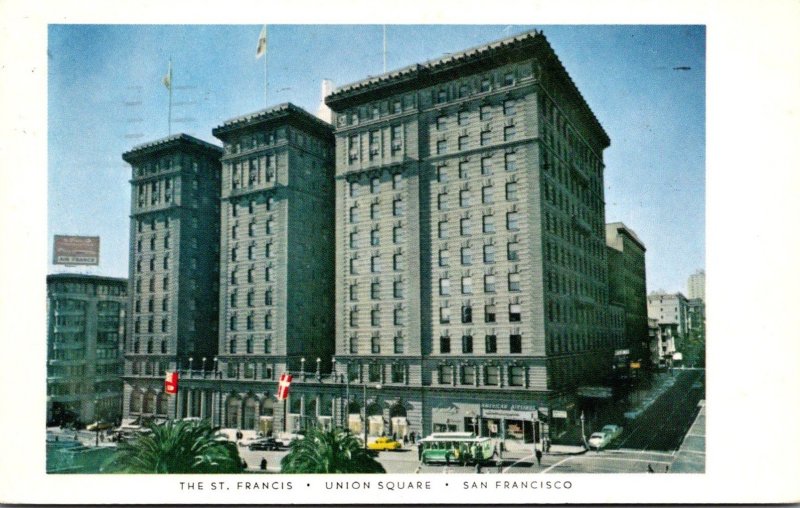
(627, 285)
(696, 285)
(85, 333)
(671, 311)
(696, 318)
(662, 342)
(174, 268)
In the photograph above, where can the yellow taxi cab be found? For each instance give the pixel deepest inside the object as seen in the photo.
(384, 443)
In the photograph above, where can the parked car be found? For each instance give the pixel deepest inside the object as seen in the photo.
(612, 431)
(286, 438)
(265, 443)
(598, 440)
(384, 444)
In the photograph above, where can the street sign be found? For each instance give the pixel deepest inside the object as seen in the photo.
(559, 413)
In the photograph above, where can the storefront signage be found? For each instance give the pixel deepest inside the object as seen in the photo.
(507, 414)
(559, 413)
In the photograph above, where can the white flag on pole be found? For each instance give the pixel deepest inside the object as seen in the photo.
(261, 48)
(167, 79)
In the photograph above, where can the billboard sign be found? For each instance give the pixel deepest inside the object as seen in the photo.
(76, 250)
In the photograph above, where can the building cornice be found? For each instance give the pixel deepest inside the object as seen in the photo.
(280, 114)
(78, 277)
(147, 150)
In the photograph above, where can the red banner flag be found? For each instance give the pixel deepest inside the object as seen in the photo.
(283, 386)
(171, 383)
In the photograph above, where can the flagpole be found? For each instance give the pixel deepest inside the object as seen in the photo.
(169, 111)
(266, 83)
(384, 49)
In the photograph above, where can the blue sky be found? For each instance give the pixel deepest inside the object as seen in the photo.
(105, 96)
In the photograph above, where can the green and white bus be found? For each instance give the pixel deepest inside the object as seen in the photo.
(455, 447)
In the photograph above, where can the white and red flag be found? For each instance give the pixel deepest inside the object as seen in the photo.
(283, 386)
(171, 383)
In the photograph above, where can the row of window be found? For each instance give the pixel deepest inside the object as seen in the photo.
(485, 138)
(375, 290)
(252, 172)
(152, 284)
(152, 243)
(398, 210)
(487, 196)
(399, 316)
(468, 375)
(489, 251)
(150, 346)
(489, 284)
(355, 187)
(158, 190)
(354, 143)
(375, 265)
(485, 112)
(233, 322)
(249, 342)
(151, 305)
(250, 298)
(487, 224)
(137, 326)
(398, 344)
(475, 85)
(489, 313)
(152, 263)
(443, 171)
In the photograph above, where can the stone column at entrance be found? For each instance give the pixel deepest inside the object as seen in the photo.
(203, 394)
(179, 405)
(189, 394)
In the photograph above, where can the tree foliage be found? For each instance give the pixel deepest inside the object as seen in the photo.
(329, 451)
(178, 447)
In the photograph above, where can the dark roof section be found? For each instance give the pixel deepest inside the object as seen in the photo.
(516, 48)
(78, 277)
(171, 142)
(282, 113)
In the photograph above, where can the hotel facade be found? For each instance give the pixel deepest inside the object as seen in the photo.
(434, 260)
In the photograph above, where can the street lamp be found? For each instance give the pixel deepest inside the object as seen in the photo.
(204, 367)
(303, 368)
(319, 374)
(583, 433)
(190, 366)
(377, 387)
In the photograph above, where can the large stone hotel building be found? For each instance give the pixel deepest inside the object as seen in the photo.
(434, 260)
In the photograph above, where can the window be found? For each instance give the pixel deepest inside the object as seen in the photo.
(268, 274)
(166, 241)
(397, 261)
(354, 317)
(353, 189)
(486, 85)
(251, 229)
(509, 108)
(353, 266)
(463, 170)
(374, 373)
(445, 374)
(232, 346)
(466, 255)
(513, 251)
(442, 229)
(513, 282)
(444, 315)
(509, 132)
(353, 295)
(466, 344)
(234, 231)
(374, 210)
(399, 317)
(270, 225)
(398, 289)
(352, 147)
(376, 344)
(250, 272)
(466, 226)
(464, 198)
(153, 243)
(508, 79)
(511, 190)
(491, 343)
(163, 347)
(150, 346)
(396, 138)
(444, 287)
(374, 237)
(487, 195)
(514, 312)
(396, 179)
(441, 201)
(441, 96)
(353, 350)
(444, 257)
(164, 325)
(512, 221)
(511, 161)
(492, 374)
(444, 344)
(462, 142)
(466, 285)
(489, 284)
(463, 116)
(268, 297)
(166, 262)
(353, 214)
(250, 296)
(270, 203)
(441, 122)
(397, 207)
(233, 323)
(485, 112)
(441, 146)
(488, 253)
(488, 224)
(375, 317)
(466, 314)
(441, 174)
(375, 264)
(515, 343)
(516, 376)
(268, 348)
(234, 250)
(486, 137)
(150, 305)
(398, 372)
(375, 290)
(373, 152)
(353, 239)
(490, 314)
(486, 166)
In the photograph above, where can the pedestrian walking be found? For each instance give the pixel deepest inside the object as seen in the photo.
(539, 457)
(499, 466)
(263, 464)
(667, 469)
(477, 467)
(419, 452)
(650, 468)
(447, 458)
(405, 439)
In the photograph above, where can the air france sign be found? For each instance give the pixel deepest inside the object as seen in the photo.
(76, 250)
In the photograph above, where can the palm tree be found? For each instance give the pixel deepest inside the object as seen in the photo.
(329, 451)
(178, 447)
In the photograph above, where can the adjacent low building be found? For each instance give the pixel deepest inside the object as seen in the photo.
(86, 330)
